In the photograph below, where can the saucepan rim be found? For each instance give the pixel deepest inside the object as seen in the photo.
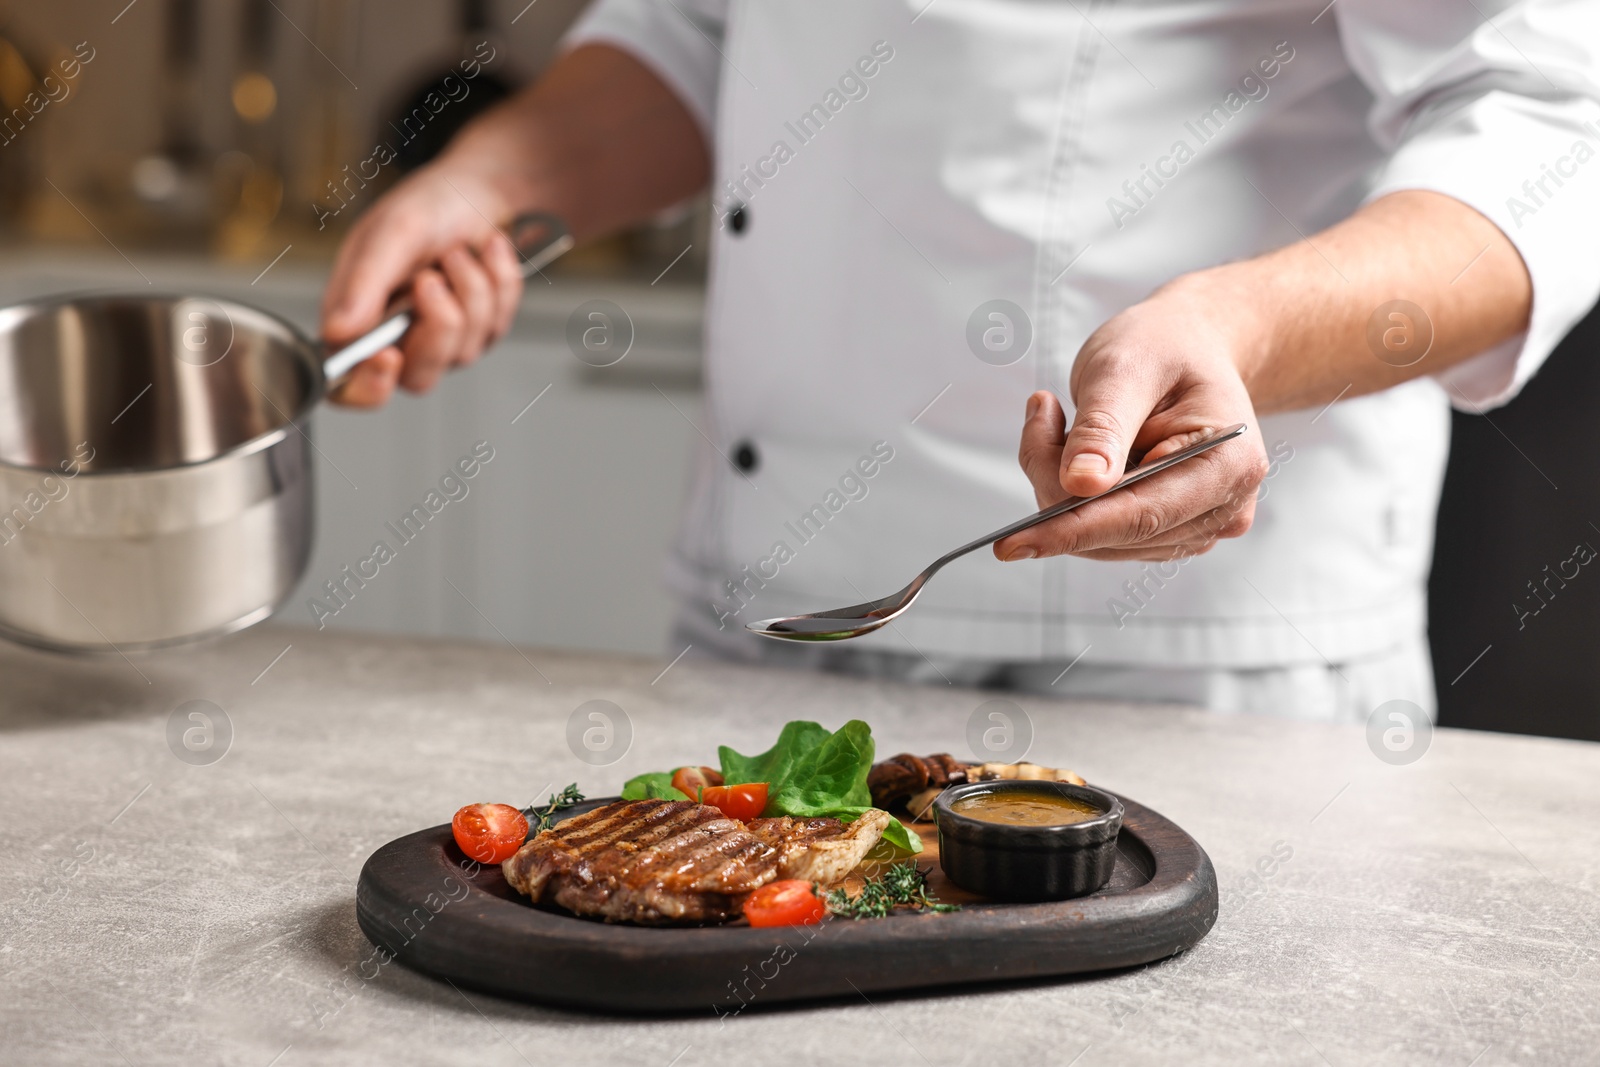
(307, 350)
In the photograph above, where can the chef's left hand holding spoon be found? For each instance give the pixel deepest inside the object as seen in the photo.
(1155, 378)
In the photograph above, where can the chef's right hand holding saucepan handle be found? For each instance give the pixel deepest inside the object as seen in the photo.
(1287, 330)
(599, 141)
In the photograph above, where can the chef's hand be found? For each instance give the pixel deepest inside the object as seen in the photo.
(1288, 330)
(599, 140)
(1155, 378)
(431, 238)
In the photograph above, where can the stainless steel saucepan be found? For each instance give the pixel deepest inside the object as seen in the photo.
(155, 460)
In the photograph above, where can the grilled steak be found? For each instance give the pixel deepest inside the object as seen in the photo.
(655, 862)
(820, 850)
(663, 862)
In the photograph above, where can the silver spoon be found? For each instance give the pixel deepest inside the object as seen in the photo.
(857, 619)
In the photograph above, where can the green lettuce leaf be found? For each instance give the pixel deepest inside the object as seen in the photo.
(797, 739)
(657, 785)
(811, 773)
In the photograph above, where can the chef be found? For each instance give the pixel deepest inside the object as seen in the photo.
(946, 226)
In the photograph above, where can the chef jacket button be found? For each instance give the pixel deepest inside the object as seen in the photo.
(745, 457)
(739, 218)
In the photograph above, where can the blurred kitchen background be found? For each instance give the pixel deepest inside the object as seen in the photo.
(191, 143)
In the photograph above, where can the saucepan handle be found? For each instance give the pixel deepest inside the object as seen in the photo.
(539, 239)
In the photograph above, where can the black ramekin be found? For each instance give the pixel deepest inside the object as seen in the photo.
(1028, 863)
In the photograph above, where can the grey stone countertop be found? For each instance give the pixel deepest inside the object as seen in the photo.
(163, 912)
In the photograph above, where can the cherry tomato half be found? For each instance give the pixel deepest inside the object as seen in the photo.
(793, 902)
(490, 833)
(742, 802)
(690, 780)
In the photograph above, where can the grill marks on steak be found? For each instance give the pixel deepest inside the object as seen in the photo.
(660, 862)
(654, 862)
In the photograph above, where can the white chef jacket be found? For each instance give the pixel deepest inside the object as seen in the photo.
(901, 162)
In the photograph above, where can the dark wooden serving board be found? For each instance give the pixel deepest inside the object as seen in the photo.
(420, 898)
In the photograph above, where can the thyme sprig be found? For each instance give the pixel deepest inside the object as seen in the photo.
(541, 819)
(902, 885)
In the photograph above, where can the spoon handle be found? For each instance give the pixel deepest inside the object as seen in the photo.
(1138, 474)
